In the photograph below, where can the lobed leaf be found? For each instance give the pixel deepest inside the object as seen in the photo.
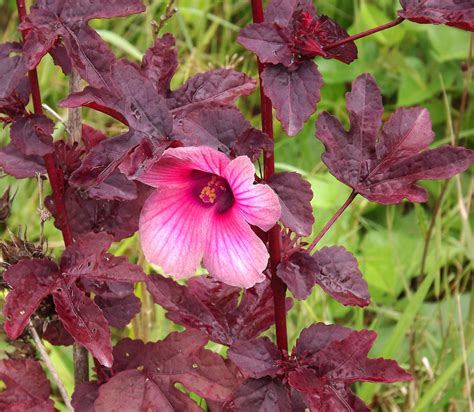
(325, 362)
(23, 300)
(451, 12)
(213, 307)
(294, 93)
(83, 319)
(385, 169)
(333, 268)
(27, 388)
(50, 20)
(145, 375)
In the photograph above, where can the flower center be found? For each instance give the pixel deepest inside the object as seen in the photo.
(212, 190)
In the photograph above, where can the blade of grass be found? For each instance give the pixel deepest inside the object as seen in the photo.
(403, 326)
(425, 402)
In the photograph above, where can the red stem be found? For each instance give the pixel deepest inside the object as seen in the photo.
(331, 221)
(278, 287)
(349, 39)
(54, 174)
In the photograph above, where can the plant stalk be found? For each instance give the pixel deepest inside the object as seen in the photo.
(56, 179)
(52, 370)
(331, 221)
(274, 241)
(349, 39)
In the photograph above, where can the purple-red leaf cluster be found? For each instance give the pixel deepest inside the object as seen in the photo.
(110, 278)
(27, 388)
(385, 165)
(450, 12)
(143, 376)
(200, 112)
(291, 36)
(215, 308)
(53, 24)
(325, 362)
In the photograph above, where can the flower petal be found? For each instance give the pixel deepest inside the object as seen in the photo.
(234, 254)
(258, 204)
(173, 231)
(176, 164)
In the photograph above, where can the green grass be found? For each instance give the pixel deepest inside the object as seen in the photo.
(416, 315)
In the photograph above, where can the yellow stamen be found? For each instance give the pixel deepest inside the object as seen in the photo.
(208, 192)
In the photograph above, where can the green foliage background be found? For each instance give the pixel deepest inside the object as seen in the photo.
(424, 320)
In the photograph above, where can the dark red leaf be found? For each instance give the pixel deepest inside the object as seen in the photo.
(56, 334)
(115, 187)
(12, 68)
(84, 396)
(333, 268)
(134, 389)
(326, 361)
(147, 374)
(385, 169)
(108, 289)
(120, 219)
(451, 12)
(223, 128)
(31, 281)
(83, 319)
(32, 135)
(256, 358)
(17, 164)
(356, 366)
(61, 58)
(282, 11)
(50, 20)
(262, 395)
(330, 359)
(294, 93)
(88, 257)
(251, 143)
(268, 42)
(27, 388)
(295, 196)
(213, 307)
(215, 87)
(134, 98)
(91, 137)
(293, 33)
(160, 62)
(324, 398)
(317, 337)
(339, 275)
(299, 273)
(331, 33)
(119, 311)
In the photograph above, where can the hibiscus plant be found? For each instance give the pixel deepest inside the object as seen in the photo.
(182, 174)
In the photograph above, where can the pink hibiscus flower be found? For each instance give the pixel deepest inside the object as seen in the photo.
(202, 209)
